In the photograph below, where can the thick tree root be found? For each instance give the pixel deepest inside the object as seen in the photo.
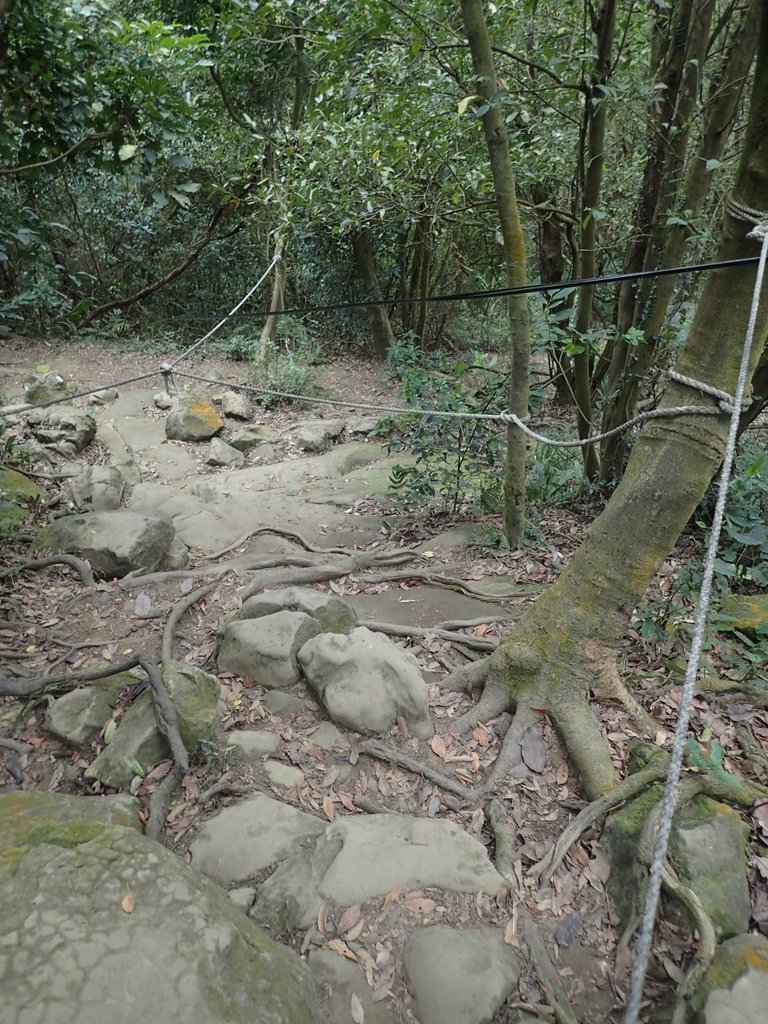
(176, 615)
(140, 579)
(546, 973)
(80, 566)
(466, 678)
(292, 535)
(449, 583)
(604, 661)
(379, 750)
(33, 685)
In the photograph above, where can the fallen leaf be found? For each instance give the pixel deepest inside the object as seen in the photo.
(509, 931)
(328, 808)
(481, 736)
(128, 903)
(567, 929)
(534, 748)
(423, 906)
(323, 920)
(561, 775)
(349, 918)
(356, 1009)
(338, 946)
(437, 743)
(392, 895)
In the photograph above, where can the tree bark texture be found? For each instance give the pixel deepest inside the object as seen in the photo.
(548, 661)
(381, 329)
(505, 195)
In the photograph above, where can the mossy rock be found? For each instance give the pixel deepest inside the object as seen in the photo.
(17, 487)
(11, 518)
(746, 613)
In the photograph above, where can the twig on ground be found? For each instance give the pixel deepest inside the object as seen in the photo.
(175, 617)
(394, 629)
(375, 749)
(31, 684)
(80, 566)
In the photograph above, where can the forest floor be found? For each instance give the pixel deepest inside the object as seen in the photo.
(50, 621)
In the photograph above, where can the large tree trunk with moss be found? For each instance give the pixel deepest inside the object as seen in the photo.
(564, 642)
(514, 254)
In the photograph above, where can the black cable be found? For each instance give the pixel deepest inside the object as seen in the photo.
(526, 289)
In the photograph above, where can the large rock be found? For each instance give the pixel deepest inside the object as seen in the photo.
(355, 859)
(252, 436)
(237, 405)
(114, 542)
(459, 975)
(18, 487)
(222, 454)
(317, 435)
(265, 649)
(195, 695)
(63, 424)
(96, 488)
(45, 387)
(332, 614)
(365, 681)
(342, 979)
(708, 847)
(78, 717)
(734, 989)
(100, 924)
(249, 836)
(193, 419)
(747, 613)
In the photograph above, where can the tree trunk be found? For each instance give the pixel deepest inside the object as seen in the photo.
(554, 654)
(514, 253)
(549, 245)
(276, 302)
(596, 114)
(365, 267)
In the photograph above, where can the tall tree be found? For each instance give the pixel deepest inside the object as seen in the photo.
(551, 658)
(510, 224)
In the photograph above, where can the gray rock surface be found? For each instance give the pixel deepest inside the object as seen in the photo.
(734, 989)
(115, 542)
(193, 419)
(96, 488)
(255, 434)
(365, 681)
(176, 557)
(357, 858)
(163, 400)
(104, 397)
(248, 837)
(101, 925)
(317, 435)
(222, 454)
(265, 649)
(195, 695)
(78, 717)
(279, 702)
(283, 776)
(62, 423)
(326, 736)
(250, 744)
(136, 736)
(342, 981)
(708, 844)
(332, 614)
(237, 405)
(40, 388)
(459, 976)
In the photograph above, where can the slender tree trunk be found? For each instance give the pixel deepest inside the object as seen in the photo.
(276, 302)
(549, 244)
(596, 112)
(552, 656)
(514, 253)
(365, 267)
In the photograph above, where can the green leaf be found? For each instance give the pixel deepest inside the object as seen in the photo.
(134, 765)
(109, 732)
(463, 104)
(127, 152)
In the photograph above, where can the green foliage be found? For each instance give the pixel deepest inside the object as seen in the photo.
(288, 372)
(554, 475)
(458, 461)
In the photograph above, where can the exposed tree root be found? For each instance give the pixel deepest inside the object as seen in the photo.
(175, 617)
(379, 750)
(165, 712)
(505, 832)
(449, 583)
(479, 643)
(80, 566)
(751, 748)
(705, 951)
(351, 565)
(545, 970)
(466, 678)
(6, 743)
(292, 535)
(604, 660)
(159, 800)
(133, 580)
(30, 685)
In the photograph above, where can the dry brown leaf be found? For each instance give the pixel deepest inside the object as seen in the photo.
(561, 775)
(347, 801)
(349, 918)
(509, 931)
(328, 809)
(323, 920)
(356, 932)
(422, 906)
(481, 736)
(356, 1009)
(128, 903)
(393, 895)
(339, 946)
(437, 743)
(306, 942)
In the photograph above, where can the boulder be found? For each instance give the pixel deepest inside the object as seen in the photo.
(115, 542)
(176, 557)
(252, 436)
(136, 737)
(250, 744)
(357, 858)
(747, 613)
(99, 398)
(162, 400)
(78, 717)
(250, 836)
(222, 454)
(96, 488)
(459, 975)
(734, 989)
(193, 419)
(195, 695)
(331, 613)
(365, 680)
(237, 405)
(64, 426)
(102, 924)
(18, 487)
(317, 435)
(44, 387)
(265, 649)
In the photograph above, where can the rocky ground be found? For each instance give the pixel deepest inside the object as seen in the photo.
(408, 899)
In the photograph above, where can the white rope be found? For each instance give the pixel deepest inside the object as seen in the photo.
(169, 366)
(644, 942)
